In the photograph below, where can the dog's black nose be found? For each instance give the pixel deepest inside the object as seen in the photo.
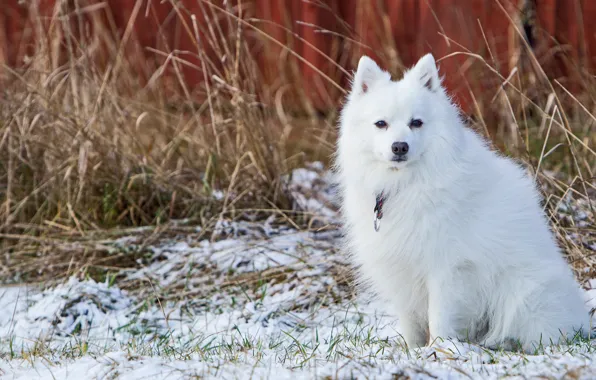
(400, 148)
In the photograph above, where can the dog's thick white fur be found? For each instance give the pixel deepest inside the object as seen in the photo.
(464, 250)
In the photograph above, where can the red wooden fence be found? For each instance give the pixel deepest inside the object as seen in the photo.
(328, 35)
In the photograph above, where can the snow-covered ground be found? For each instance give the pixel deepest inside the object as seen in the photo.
(263, 301)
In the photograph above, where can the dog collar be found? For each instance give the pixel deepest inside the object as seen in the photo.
(379, 211)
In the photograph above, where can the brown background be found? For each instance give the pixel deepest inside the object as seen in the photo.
(395, 32)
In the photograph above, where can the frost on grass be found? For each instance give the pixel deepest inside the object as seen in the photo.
(263, 301)
(66, 310)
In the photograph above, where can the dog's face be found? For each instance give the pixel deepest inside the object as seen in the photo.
(393, 122)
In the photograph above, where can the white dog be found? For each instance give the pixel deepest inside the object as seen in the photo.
(448, 232)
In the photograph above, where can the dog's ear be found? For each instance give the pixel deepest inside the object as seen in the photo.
(427, 72)
(367, 74)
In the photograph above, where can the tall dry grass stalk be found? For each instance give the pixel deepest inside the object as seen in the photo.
(89, 143)
(91, 139)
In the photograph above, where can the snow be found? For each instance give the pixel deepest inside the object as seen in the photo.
(264, 302)
(311, 191)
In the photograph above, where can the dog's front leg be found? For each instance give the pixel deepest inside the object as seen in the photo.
(414, 329)
(442, 304)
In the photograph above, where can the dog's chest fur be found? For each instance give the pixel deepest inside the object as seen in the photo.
(413, 241)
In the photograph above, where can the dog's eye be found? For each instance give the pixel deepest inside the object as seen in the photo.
(381, 124)
(415, 123)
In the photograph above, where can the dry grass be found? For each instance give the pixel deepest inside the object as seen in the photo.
(90, 141)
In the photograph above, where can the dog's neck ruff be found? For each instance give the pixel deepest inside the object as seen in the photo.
(379, 211)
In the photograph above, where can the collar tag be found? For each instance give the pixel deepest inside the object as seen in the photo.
(378, 211)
